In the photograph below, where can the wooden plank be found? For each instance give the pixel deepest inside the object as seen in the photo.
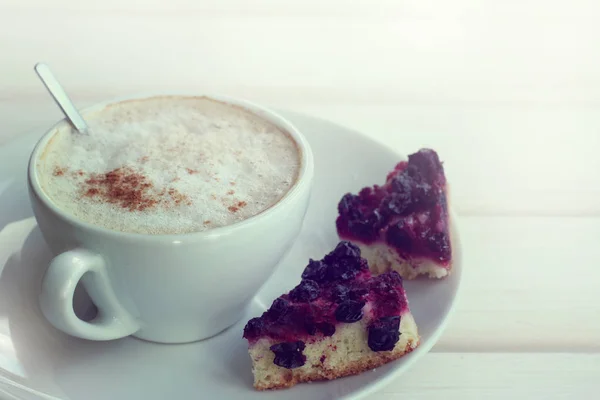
(431, 55)
(497, 376)
(530, 284)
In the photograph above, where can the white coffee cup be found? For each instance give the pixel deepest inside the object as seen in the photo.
(164, 288)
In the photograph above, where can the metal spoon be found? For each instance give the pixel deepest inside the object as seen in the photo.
(60, 97)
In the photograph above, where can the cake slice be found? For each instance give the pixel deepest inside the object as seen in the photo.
(340, 320)
(402, 225)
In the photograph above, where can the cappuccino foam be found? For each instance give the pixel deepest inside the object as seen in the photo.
(169, 165)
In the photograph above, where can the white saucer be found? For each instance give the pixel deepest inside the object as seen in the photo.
(37, 361)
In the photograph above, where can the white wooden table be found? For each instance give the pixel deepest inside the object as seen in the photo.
(507, 92)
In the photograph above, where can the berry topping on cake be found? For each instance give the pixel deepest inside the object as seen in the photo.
(332, 324)
(402, 225)
(326, 328)
(307, 290)
(315, 270)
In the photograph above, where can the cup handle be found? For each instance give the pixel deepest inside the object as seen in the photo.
(58, 288)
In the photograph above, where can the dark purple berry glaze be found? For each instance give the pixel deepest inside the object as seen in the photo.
(333, 290)
(409, 212)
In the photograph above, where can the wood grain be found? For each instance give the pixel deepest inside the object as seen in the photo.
(460, 52)
(530, 284)
(498, 376)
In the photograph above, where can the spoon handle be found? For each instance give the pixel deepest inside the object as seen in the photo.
(61, 97)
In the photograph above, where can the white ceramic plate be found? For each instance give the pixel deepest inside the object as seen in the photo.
(37, 361)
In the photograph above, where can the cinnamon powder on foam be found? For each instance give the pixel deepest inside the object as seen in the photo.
(149, 179)
(129, 190)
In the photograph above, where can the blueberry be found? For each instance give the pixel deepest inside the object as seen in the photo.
(385, 284)
(402, 185)
(424, 195)
(357, 293)
(340, 293)
(412, 171)
(365, 193)
(349, 311)
(289, 354)
(382, 287)
(254, 328)
(349, 206)
(344, 249)
(341, 270)
(399, 237)
(326, 328)
(367, 226)
(411, 192)
(355, 264)
(306, 291)
(310, 326)
(279, 309)
(358, 217)
(344, 262)
(390, 279)
(362, 229)
(397, 203)
(428, 164)
(384, 333)
(315, 270)
(345, 204)
(393, 277)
